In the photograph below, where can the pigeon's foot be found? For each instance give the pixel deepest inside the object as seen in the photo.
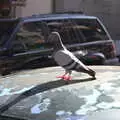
(67, 78)
(61, 77)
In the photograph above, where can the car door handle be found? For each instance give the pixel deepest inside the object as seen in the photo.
(49, 56)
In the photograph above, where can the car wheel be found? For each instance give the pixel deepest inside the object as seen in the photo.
(101, 62)
(118, 58)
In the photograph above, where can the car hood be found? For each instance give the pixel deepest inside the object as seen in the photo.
(38, 94)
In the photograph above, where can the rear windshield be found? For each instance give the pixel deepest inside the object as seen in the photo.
(78, 30)
(6, 29)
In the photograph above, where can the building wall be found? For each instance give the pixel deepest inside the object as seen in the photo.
(106, 10)
(34, 7)
(59, 5)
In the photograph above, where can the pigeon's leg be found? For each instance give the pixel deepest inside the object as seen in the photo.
(68, 77)
(62, 76)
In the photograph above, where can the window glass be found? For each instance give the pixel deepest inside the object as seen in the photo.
(68, 34)
(6, 30)
(30, 35)
(91, 29)
(78, 30)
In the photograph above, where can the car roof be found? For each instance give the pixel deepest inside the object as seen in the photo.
(56, 16)
(9, 19)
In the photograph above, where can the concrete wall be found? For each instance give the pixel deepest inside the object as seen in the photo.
(34, 7)
(107, 10)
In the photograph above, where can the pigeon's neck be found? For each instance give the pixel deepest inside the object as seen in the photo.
(58, 47)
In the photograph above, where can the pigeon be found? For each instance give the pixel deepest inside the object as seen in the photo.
(66, 59)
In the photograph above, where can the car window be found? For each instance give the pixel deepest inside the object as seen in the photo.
(6, 30)
(91, 29)
(68, 34)
(30, 37)
(78, 30)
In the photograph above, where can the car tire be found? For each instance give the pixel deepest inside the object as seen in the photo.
(101, 62)
(118, 58)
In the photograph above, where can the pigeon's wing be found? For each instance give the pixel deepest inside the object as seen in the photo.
(67, 60)
(62, 58)
(76, 60)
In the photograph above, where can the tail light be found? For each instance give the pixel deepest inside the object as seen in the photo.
(111, 49)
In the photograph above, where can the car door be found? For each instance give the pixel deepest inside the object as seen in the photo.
(7, 30)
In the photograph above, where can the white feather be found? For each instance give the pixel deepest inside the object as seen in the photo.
(64, 56)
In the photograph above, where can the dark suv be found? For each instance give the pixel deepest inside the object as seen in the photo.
(23, 41)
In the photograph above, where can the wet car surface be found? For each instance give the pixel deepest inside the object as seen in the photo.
(38, 94)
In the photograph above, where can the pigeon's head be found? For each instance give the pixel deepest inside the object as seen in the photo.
(55, 40)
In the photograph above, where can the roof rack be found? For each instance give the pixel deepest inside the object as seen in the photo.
(70, 12)
(65, 12)
(37, 15)
(54, 13)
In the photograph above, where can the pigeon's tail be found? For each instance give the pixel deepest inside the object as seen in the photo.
(88, 71)
(91, 72)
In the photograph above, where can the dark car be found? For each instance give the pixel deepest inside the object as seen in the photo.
(23, 41)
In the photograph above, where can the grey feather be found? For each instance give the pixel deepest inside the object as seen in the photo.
(65, 58)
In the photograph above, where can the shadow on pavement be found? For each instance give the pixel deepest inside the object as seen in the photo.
(37, 89)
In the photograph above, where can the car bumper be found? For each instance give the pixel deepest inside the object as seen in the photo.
(113, 61)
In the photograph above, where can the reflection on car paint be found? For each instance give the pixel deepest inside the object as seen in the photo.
(43, 106)
(72, 117)
(85, 109)
(10, 91)
(62, 112)
(104, 97)
(91, 99)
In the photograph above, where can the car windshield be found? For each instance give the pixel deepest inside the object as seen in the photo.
(6, 30)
